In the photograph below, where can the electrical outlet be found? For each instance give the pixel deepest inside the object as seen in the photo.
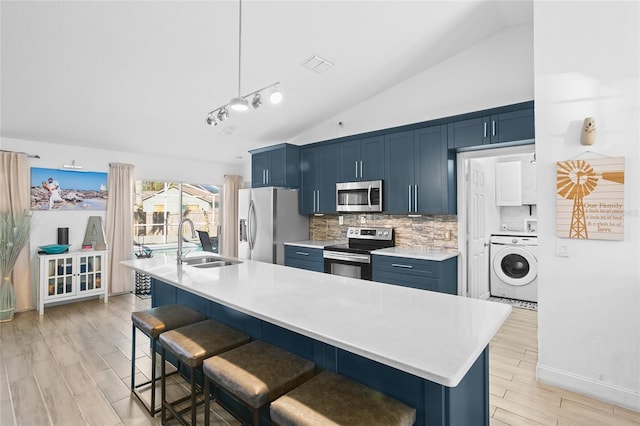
(340, 220)
(363, 220)
(447, 235)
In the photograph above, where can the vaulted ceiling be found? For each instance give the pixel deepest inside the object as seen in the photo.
(141, 76)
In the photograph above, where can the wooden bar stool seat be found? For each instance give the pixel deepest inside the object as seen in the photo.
(153, 322)
(255, 374)
(191, 345)
(331, 399)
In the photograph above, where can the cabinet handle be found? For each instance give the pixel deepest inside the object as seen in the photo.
(409, 198)
(356, 169)
(400, 265)
(415, 198)
(361, 168)
(485, 130)
(318, 195)
(314, 200)
(267, 175)
(263, 176)
(302, 253)
(493, 127)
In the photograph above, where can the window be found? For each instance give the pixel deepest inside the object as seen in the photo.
(159, 207)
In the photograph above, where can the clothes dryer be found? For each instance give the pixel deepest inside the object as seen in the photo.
(514, 266)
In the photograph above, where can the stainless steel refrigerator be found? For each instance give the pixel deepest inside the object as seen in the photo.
(267, 218)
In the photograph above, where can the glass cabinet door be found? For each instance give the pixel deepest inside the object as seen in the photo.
(60, 276)
(90, 272)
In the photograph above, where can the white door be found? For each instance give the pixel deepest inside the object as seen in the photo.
(477, 235)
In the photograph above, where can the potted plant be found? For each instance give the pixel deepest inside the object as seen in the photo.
(14, 235)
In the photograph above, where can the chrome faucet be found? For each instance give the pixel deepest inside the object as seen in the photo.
(193, 235)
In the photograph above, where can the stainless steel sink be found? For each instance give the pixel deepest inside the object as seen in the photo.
(209, 261)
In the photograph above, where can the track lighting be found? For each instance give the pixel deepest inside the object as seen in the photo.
(276, 96)
(257, 101)
(240, 103)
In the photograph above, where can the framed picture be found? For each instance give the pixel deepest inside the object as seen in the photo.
(590, 199)
(53, 189)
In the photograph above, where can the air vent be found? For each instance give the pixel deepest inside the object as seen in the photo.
(317, 64)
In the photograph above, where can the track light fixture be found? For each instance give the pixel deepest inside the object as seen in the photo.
(240, 103)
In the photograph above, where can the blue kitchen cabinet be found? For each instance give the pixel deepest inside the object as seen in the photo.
(432, 275)
(319, 172)
(499, 125)
(362, 159)
(304, 258)
(277, 165)
(417, 178)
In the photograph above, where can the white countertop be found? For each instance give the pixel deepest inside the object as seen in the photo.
(416, 253)
(319, 244)
(432, 335)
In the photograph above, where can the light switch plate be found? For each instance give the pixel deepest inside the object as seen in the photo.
(563, 248)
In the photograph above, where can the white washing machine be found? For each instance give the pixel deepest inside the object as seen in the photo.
(514, 266)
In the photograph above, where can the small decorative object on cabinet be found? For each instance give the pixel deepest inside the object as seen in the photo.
(71, 276)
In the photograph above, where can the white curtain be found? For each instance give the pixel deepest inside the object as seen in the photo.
(14, 197)
(230, 215)
(120, 225)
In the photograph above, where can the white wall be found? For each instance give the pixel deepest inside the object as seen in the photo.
(496, 71)
(45, 223)
(587, 63)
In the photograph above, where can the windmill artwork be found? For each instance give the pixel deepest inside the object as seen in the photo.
(590, 199)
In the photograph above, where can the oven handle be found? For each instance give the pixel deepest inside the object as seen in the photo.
(347, 257)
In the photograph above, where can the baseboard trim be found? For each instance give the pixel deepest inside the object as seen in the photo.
(617, 395)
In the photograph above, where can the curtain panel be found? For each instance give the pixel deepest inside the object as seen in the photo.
(230, 189)
(120, 225)
(14, 197)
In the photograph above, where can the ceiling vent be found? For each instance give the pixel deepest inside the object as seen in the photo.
(317, 64)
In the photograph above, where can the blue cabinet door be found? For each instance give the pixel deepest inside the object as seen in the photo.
(350, 161)
(471, 132)
(309, 180)
(398, 187)
(372, 158)
(259, 167)
(512, 126)
(329, 174)
(430, 158)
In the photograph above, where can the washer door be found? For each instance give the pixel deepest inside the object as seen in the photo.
(515, 266)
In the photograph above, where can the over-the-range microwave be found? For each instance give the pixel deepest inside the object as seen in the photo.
(359, 196)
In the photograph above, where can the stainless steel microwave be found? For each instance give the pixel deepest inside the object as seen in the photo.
(359, 196)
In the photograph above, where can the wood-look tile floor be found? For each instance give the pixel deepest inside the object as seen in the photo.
(72, 367)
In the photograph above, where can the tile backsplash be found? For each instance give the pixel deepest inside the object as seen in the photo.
(426, 232)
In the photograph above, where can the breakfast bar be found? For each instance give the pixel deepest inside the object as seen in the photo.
(426, 349)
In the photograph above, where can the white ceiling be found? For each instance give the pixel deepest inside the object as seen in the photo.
(141, 76)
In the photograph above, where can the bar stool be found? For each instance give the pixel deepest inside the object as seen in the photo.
(153, 322)
(254, 374)
(191, 344)
(331, 399)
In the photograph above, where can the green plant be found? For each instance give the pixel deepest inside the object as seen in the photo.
(14, 235)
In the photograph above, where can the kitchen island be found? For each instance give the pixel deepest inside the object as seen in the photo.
(426, 349)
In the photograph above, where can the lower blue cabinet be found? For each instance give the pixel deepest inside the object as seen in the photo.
(432, 275)
(304, 258)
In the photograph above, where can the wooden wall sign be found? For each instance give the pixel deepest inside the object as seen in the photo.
(590, 199)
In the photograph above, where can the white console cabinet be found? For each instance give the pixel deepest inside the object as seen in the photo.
(72, 275)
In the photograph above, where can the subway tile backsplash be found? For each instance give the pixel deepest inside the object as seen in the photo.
(425, 232)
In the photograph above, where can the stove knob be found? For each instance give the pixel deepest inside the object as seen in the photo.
(514, 240)
(385, 233)
(351, 231)
(357, 231)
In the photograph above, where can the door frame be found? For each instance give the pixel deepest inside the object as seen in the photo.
(462, 190)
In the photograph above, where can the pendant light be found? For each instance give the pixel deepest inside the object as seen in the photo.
(241, 103)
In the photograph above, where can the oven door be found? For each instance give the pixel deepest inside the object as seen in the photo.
(353, 265)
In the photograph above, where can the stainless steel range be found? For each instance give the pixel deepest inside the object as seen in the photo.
(353, 259)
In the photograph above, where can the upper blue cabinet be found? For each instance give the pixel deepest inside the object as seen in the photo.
(506, 124)
(417, 179)
(277, 165)
(362, 159)
(320, 170)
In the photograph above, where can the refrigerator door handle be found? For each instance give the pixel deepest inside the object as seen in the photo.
(250, 226)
